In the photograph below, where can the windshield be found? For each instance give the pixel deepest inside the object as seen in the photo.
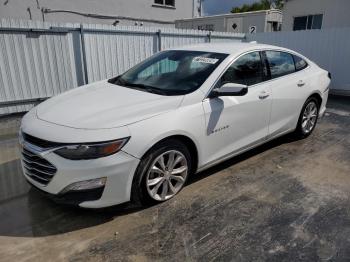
(171, 72)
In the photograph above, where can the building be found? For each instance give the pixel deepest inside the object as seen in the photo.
(249, 22)
(124, 12)
(315, 14)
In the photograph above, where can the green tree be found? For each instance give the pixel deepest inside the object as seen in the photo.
(279, 4)
(262, 5)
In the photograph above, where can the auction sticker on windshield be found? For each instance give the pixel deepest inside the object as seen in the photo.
(206, 60)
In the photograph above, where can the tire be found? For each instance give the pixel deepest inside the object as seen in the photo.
(305, 127)
(145, 190)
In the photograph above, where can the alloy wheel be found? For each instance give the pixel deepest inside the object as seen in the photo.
(166, 175)
(309, 117)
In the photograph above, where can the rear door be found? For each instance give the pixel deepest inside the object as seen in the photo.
(288, 89)
(237, 122)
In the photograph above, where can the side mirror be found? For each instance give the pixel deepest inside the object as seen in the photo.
(229, 89)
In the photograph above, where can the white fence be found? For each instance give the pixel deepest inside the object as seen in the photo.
(39, 60)
(329, 48)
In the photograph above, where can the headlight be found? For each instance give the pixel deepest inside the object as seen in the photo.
(91, 150)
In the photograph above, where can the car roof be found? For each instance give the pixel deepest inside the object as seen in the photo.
(228, 47)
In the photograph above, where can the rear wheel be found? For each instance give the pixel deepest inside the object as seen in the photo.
(162, 172)
(308, 118)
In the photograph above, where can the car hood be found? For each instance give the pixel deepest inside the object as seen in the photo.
(104, 105)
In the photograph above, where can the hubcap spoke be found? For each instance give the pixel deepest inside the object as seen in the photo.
(308, 125)
(164, 189)
(171, 160)
(311, 108)
(313, 116)
(161, 163)
(154, 181)
(154, 191)
(157, 170)
(171, 187)
(177, 178)
(179, 170)
(178, 159)
(304, 123)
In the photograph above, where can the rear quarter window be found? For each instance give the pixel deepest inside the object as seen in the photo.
(300, 63)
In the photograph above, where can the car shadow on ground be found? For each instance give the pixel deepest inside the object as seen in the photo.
(33, 215)
(286, 139)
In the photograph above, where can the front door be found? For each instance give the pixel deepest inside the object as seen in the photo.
(237, 122)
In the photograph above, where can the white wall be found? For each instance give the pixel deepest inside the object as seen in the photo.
(336, 13)
(329, 48)
(214, 23)
(143, 9)
(243, 21)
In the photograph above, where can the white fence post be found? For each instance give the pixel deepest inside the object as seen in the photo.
(83, 52)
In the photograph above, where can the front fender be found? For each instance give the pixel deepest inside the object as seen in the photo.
(147, 133)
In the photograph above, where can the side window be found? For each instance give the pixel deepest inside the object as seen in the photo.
(246, 70)
(300, 63)
(165, 2)
(280, 63)
(308, 22)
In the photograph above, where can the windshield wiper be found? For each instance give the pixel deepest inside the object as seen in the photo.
(147, 88)
(150, 89)
(113, 80)
(117, 81)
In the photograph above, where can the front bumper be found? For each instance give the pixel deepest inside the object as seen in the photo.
(119, 170)
(72, 198)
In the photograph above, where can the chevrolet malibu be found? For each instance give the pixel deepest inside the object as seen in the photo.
(140, 135)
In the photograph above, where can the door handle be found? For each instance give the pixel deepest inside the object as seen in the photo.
(263, 95)
(301, 83)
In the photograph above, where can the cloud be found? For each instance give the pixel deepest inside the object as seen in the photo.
(214, 7)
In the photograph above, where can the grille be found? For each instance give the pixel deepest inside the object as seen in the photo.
(37, 168)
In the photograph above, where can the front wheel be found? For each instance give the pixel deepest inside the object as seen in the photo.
(162, 172)
(308, 118)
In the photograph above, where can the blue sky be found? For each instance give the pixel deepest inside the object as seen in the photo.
(214, 7)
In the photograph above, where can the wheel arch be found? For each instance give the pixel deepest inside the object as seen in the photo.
(187, 141)
(317, 96)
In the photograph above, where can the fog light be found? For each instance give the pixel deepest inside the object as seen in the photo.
(85, 185)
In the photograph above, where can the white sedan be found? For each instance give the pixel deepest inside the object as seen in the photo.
(140, 135)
